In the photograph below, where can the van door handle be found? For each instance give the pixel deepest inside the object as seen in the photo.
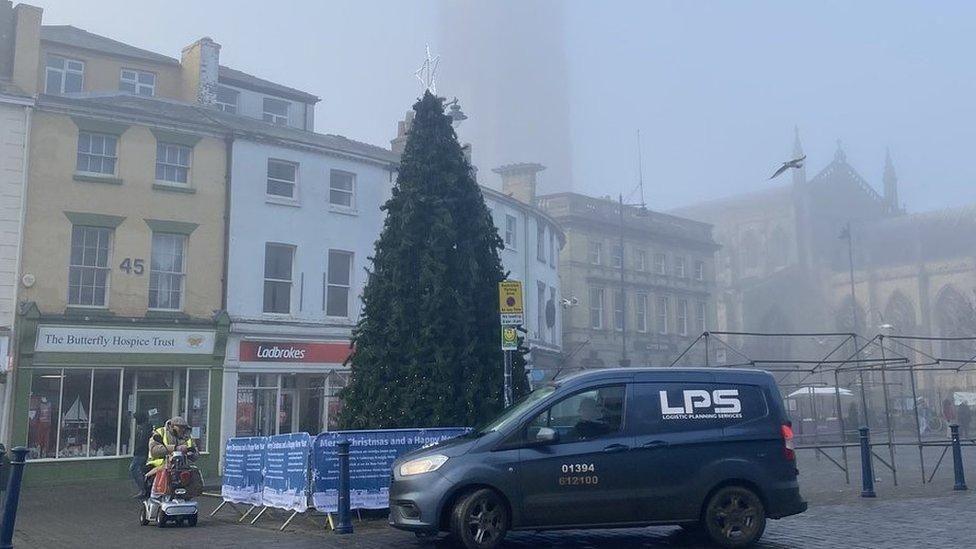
(616, 448)
(655, 444)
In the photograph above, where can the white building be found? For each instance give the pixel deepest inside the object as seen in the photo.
(304, 216)
(15, 111)
(531, 255)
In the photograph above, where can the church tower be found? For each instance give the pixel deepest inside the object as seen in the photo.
(890, 185)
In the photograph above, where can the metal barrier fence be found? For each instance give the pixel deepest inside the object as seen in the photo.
(906, 389)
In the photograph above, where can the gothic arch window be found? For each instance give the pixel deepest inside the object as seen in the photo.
(779, 248)
(900, 314)
(844, 317)
(956, 317)
(750, 250)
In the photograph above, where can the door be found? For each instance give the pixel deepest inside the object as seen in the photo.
(677, 432)
(584, 475)
(288, 411)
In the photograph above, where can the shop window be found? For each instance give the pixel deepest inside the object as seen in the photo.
(74, 418)
(43, 413)
(105, 413)
(197, 405)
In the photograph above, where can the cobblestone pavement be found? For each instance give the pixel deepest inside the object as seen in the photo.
(86, 516)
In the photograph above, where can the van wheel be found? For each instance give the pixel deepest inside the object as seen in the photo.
(735, 517)
(480, 520)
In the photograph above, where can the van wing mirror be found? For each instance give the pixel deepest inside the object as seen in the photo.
(546, 435)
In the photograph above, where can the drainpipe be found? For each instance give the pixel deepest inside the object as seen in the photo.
(6, 407)
(228, 166)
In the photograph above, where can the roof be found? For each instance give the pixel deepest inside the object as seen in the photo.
(80, 38)
(151, 110)
(663, 372)
(234, 77)
(777, 196)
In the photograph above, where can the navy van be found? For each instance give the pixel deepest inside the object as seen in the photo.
(708, 449)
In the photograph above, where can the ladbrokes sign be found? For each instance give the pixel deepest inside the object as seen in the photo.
(294, 351)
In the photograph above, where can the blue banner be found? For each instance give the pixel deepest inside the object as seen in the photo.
(286, 472)
(244, 470)
(371, 457)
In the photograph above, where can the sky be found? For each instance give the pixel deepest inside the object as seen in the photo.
(715, 88)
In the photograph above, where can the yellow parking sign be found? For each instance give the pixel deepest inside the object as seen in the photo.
(510, 297)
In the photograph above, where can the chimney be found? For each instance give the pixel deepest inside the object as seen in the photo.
(26, 47)
(200, 63)
(519, 180)
(399, 143)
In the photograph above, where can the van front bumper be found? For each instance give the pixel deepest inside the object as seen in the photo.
(415, 502)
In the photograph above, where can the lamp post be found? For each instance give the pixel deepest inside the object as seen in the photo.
(846, 235)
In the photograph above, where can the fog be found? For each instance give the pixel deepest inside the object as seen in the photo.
(715, 88)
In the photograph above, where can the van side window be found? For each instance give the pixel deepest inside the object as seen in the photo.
(681, 407)
(587, 415)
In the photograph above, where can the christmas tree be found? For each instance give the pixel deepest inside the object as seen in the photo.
(427, 348)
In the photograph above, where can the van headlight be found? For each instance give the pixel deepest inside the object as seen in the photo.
(422, 465)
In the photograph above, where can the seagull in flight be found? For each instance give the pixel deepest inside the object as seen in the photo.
(796, 163)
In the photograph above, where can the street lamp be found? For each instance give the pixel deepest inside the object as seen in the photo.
(845, 234)
(455, 112)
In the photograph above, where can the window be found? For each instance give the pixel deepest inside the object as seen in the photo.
(78, 412)
(63, 75)
(282, 177)
(166, 271)
(660, 264)
(338, 283)
(276, 111)
(588, 415)
(278, 260)
(88, 272)
(596, 308)
(700, 310)
(97, 153)
(683, 316)
(642, 313)
(540, 242)
(594, 252)
(342, 189)
(552, 249)
(138, 82)
(640, 260)
(511, 225)
(679, 267)
(617, 256)
(662, 315)
(618, 310)
(227, 99)
(173, 162)
(541, 309)
(699, 270)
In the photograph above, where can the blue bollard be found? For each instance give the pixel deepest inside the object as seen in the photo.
(867, 470)
(957, 459)
(345, 521)
(13, 497)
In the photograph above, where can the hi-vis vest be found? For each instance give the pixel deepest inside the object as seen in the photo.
(164, 432)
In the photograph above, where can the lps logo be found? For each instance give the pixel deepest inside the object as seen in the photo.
(701, 404)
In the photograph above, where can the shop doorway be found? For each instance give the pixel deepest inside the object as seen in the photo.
(273, 404)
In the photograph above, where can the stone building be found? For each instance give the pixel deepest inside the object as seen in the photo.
(785, 263)
(638, 286)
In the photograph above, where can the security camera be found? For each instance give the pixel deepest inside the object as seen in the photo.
(567, 303)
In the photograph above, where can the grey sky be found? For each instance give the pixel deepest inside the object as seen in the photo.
(715, 87)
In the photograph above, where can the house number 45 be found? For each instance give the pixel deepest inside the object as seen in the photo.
(132, 266)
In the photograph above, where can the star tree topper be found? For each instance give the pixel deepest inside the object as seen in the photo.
(428, 71)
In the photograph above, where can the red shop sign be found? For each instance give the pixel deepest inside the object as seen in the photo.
(291, 351)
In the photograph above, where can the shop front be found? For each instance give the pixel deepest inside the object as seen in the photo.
(279, 386)
(78, 387)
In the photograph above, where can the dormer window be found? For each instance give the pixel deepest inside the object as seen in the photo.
(63, 75)
(276, 111)
(227, 99)
(138, 82)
